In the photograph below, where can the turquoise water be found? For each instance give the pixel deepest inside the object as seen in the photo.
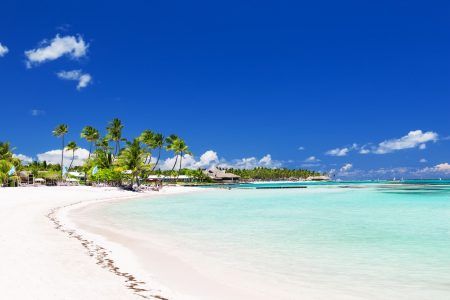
(363, 239)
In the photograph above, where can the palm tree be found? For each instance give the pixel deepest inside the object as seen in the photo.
(182, 148)
(115, 133)
(72, 146)
(91, 135)
(5, 151)
(5, 166)
(158, 143)
(60, 131)
(146, 138)
(133, 158)
(171, 145)
(103, 157)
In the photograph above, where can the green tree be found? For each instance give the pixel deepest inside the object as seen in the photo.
(182, 149)
(72, 146)
(172, 142)
(132, 158)
(91, 135)
(158, 143)
(146, 138)
(5, 151)
(60, 131)
(5, 166)
(115, 133)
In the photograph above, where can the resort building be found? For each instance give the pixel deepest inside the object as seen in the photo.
(26, 177)
(222, 176)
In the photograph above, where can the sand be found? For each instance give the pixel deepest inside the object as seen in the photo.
(40, 261)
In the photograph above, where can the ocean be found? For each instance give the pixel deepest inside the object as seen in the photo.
(353, 240)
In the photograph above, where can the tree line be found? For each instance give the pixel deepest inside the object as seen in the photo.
(114, 159)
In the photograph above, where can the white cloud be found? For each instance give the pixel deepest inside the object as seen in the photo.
(444, 168)
(413, 139)
(346, 167)
(37, 112)
(301, 148)
(338, 152)
(210, 159)
(207, 159)
(76, 75)
(266, 161)
(312, 159)
(423, 160)
(364, 151)
(252, 162)
(54, 157)
(3, 50)
(72, 46)
(23, 158)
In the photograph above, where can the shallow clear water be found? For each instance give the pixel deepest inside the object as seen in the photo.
(372, 239)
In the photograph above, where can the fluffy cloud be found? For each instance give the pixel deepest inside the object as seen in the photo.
(37, 112)
(301, 148)
(206, 160)
(3, 50)
(423, 160)
(72, 46)
(76, 75)
(443, 168)
(54, 157)
(23, 158)
(363, 150)
(338, 152)
(413, 139)
(312, 159)
(346, 167)
(210, 159)
(266, 161)
(252, 162)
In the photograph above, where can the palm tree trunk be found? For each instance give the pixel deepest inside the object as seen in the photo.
(148, 160)
(62, 156)
(176, 159)
(157, 161)
(181, 160)
(90, 150)
(73, 157)
(117, 147)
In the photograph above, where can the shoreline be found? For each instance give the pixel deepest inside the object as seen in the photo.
(113, 256)
(165, 268)
(39, 261)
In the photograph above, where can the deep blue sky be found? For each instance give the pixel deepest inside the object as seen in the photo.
(243, 78)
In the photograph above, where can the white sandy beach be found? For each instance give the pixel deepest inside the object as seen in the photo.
(49, 250)
(39, 261)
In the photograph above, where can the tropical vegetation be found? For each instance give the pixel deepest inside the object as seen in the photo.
(261, 173)
(114, 160)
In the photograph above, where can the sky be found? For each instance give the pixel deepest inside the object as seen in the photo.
(356, 88)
